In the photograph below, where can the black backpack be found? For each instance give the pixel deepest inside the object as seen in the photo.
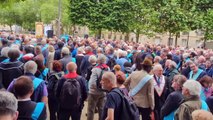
(129, 110)
(111, 62)
(70, 95)
(53, 81)
(98, 84)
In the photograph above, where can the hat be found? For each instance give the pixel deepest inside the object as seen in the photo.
(147, 62)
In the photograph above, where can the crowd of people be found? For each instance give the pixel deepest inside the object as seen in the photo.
(120, 80)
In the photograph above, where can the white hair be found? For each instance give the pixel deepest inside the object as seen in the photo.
(185, 55)
(193, 86)
(8, 100)
(101, 58)
(4, 51)
(65, 51)
(110, 76)
(92, 59)
(173, 64)
(30, 67)
(157, 66)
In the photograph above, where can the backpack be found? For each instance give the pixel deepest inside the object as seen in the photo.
(98, 84)
(129, 110)
(111, 62)
(53, 81)
(70, 95)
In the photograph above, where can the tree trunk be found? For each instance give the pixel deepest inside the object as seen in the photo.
(137, 35)
(205, 38)
(11, 30)
(176, 37)
(170, 36)
(187, 43)
(74, 29)
(98, 34)
(127, 37)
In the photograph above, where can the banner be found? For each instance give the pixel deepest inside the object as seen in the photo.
(39, 33)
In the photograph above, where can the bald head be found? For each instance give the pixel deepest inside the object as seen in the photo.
(71, 67)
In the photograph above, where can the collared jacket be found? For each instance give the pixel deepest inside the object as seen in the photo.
(145, 97)
(187, 107)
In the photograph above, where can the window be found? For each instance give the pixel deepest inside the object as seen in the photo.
(157, 41)
(170, 42)
(184, 42)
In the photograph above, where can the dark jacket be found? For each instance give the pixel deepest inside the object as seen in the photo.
(26, 109)
(84, 65)
(172, 103)
(80, 79)
(9, 71)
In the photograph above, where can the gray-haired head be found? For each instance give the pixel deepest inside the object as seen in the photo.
(157, 67)
(30, 67)
(193, 86)
(92, 59)
(173, 64)
(110, 76)
(101, 59)
(4, 51)
(8, 103)
(65, 51)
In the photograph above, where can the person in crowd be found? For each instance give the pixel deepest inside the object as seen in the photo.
(11, 69)
(160, 89)
(8, 106)
(71, 104)
(191, 92)
(195, 73)
(157, 60)
(28, 54)
(174, 99)
(59, 47)
(141, 86)
(172, 71)
(79, 57)
(53, 78)
(4, 43)
(50, 58)
(127, 68)
(42, 71)
(40, 90)
(120, 78)
(116, 68)
(209, 102)
(186, 68)
(202, 115)
(66, 58)
(4, 54)
(113, 104)
(85, 63)
(96, 96)
(206, 90)
(93, 61)
(201, 62)
(28, 109)
(110, 57)
(209, 68)
(121, 60)
(38, 54)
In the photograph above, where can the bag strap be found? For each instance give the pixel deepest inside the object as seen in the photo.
(140, 85)
(204, 106)
(36, 82)
(38, 110)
